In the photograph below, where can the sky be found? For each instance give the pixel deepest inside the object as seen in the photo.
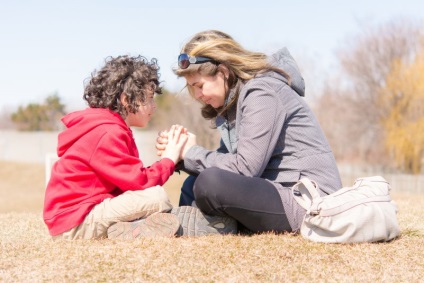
(49, 47)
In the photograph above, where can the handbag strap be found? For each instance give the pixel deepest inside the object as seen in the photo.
(351, 204)
(304, 191)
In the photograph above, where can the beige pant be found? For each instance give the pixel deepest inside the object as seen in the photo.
(129, 206)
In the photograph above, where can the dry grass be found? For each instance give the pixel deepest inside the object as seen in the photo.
(27, 253)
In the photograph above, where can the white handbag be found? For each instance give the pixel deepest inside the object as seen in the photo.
(361, 213)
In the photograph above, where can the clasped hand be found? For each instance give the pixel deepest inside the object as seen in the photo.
(163, 141)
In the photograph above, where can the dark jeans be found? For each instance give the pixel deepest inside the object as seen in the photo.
(253, 202)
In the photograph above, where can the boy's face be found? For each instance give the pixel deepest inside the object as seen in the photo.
(142, 117)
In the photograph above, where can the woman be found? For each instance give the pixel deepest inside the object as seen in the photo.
(269, 136)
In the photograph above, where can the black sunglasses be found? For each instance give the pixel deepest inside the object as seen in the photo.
(184, 60)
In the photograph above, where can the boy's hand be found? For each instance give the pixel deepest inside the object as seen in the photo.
(176, 140)
(162, 140)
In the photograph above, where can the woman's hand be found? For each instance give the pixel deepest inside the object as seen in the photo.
(175, 141)
(191, 141)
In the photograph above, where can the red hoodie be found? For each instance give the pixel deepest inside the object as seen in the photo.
(98, 160)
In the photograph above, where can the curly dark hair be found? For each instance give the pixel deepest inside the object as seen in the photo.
(136, 77)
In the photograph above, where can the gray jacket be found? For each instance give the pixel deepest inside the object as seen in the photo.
(272, 134)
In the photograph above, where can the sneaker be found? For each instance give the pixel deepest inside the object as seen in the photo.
(195, 223)
(155, 225)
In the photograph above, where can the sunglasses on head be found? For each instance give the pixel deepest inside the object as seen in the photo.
(184, 60)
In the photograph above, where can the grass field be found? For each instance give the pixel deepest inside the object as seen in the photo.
(28, 254)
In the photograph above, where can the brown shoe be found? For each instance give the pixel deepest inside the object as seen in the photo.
(155, 225)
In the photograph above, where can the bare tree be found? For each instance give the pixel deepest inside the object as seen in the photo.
(334, 114)
(366, 61)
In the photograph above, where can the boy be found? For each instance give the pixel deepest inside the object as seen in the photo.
(99, 179)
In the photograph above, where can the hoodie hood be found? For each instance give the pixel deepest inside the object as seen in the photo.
(282, 59)
(79, 123)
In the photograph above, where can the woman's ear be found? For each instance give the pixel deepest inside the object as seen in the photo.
(224, 70)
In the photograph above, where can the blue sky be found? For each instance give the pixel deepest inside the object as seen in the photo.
(53, 46)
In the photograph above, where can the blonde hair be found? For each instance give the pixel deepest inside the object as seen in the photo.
(242, 64)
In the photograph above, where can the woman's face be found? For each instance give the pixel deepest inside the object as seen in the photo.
(208, 89)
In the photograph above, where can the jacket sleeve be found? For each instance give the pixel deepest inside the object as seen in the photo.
(113, 161)
(262, 120)
(181, 165)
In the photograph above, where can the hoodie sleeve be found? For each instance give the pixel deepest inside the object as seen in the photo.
(114, 162)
